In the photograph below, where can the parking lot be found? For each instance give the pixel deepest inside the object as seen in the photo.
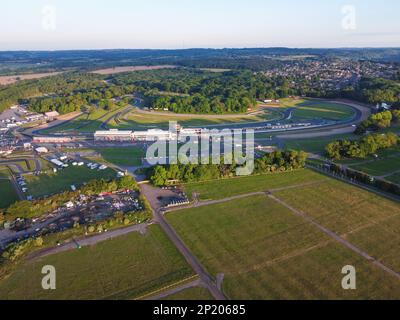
(85, 211)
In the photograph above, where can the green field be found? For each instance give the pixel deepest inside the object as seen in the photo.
(129, 157)
(48, 184)
(306, 109)
(7, 195)
(379, 167)
(195, 294)
(142, 121)
(315, 145)
(366, 219)
(267, 252)
(85, 122)
(127, 267)
(324, 110)
(218, 189)
(395, 178)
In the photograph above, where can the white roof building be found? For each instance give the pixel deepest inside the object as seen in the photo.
(41, 150)
(113, 135)
(52, 114)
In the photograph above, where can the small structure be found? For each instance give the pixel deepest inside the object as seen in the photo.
(51, 115)
(69, 204)
(41, 150)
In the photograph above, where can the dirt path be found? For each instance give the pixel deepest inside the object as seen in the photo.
(241, 196)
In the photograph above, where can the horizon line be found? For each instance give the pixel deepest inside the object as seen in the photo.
(201, 48)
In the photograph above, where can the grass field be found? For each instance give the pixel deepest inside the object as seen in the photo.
(314, 109)
(195, 294)
(315, 145)
(395, 178)
(85, 122)
(367, 220)
(141, 121)
(48, 184)
(7, 195)
(218, 189)
(267, 252)
(129, 157)
(4, 172)
(124, 268)
(324, 110)
(379, 167)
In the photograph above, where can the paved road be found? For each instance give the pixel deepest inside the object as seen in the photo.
(62, 120)
(150, 193)
(104, 125)
(320, 130)
(337, 237)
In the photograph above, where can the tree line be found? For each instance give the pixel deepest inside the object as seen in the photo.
(279, 161)
(61, 85)
(361, 148)
(379, 121)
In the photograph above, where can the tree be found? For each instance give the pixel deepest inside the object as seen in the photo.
(159, 177)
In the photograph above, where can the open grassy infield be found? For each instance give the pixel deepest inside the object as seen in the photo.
(129, 157)
(267, 252)
(365, 219)
(127, 267)
(219, 189)
(7, 194)
(85, 122)
(312, 109)
(142, 121)
(48, 184)
(324, 110)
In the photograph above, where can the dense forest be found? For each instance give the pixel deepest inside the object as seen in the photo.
(183, 90)
(180, 91)
(196, 91)
(58, 86)
(375, 91)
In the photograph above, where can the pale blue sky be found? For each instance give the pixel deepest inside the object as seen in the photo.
(103, 24)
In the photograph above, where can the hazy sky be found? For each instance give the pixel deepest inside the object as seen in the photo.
(96, 24)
